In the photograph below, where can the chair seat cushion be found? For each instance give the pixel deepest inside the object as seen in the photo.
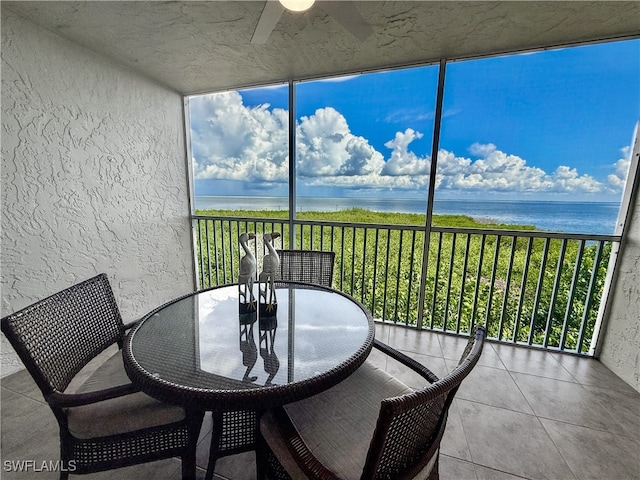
(119, 415)
(338, 424)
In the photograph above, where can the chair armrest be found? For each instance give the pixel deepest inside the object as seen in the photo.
(130, 325)
(66, 400)
(407, 361)
(123, 331)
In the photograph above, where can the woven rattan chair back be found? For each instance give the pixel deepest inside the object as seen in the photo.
(308, 266)
(57, 336)
(410, 427)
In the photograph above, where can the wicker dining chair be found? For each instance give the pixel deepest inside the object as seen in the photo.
(309, 266)
(370, 426)
(106, 423)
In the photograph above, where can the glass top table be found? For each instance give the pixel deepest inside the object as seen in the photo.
(206, 351)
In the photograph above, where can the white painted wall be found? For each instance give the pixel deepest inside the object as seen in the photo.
(93, 180)
(93, 177)
(620, 345)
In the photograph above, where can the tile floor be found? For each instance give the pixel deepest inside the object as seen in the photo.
(520, 414)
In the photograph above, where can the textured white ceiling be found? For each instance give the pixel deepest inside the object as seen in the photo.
(194, 46)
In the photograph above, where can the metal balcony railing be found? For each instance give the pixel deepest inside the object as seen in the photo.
(539, 289)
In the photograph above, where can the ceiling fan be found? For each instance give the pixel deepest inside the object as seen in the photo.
(344, 12)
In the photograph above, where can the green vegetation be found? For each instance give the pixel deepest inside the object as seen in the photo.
(520, 287)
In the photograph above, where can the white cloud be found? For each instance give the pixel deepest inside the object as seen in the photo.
(498, 171)
(402, 161)
(494, 171)
(237, 142)
(232, 141)
(568, 180)
(406, 115)
(482, 150)
(618, 179)
(326, 147)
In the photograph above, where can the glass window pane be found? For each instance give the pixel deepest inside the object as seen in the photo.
(239, 144)
(540, 139)
(365, 141)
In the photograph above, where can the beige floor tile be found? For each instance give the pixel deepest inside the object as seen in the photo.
(625, 408)
(411, 340)
(589, 371)
(532, 362)
(452, 346)
(594, 454)
(454, 441)
(490, 358)
(484, 473)
(456, 469)
(511, 442)
(22, 382)
(29, 429)
(492, 386)
(382, 332)
(237, 467)
(566, 402)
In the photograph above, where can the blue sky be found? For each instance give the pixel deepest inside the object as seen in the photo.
(547, 125)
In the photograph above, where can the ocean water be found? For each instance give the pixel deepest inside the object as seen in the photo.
(568, 217)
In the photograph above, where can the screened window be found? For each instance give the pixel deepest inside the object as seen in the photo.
(365, 141)
(240, 149)
(540, 139)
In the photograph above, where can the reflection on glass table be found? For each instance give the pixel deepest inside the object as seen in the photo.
(201, 351)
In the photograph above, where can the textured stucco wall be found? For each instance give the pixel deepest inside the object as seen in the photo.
(620, 349)
(93, 177)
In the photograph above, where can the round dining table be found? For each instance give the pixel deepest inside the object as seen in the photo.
(211, 351)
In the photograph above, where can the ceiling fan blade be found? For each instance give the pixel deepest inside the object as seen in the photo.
(347, 15)
(268, 19)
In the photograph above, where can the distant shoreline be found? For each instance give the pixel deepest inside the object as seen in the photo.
(549, 215)
(383, 199)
